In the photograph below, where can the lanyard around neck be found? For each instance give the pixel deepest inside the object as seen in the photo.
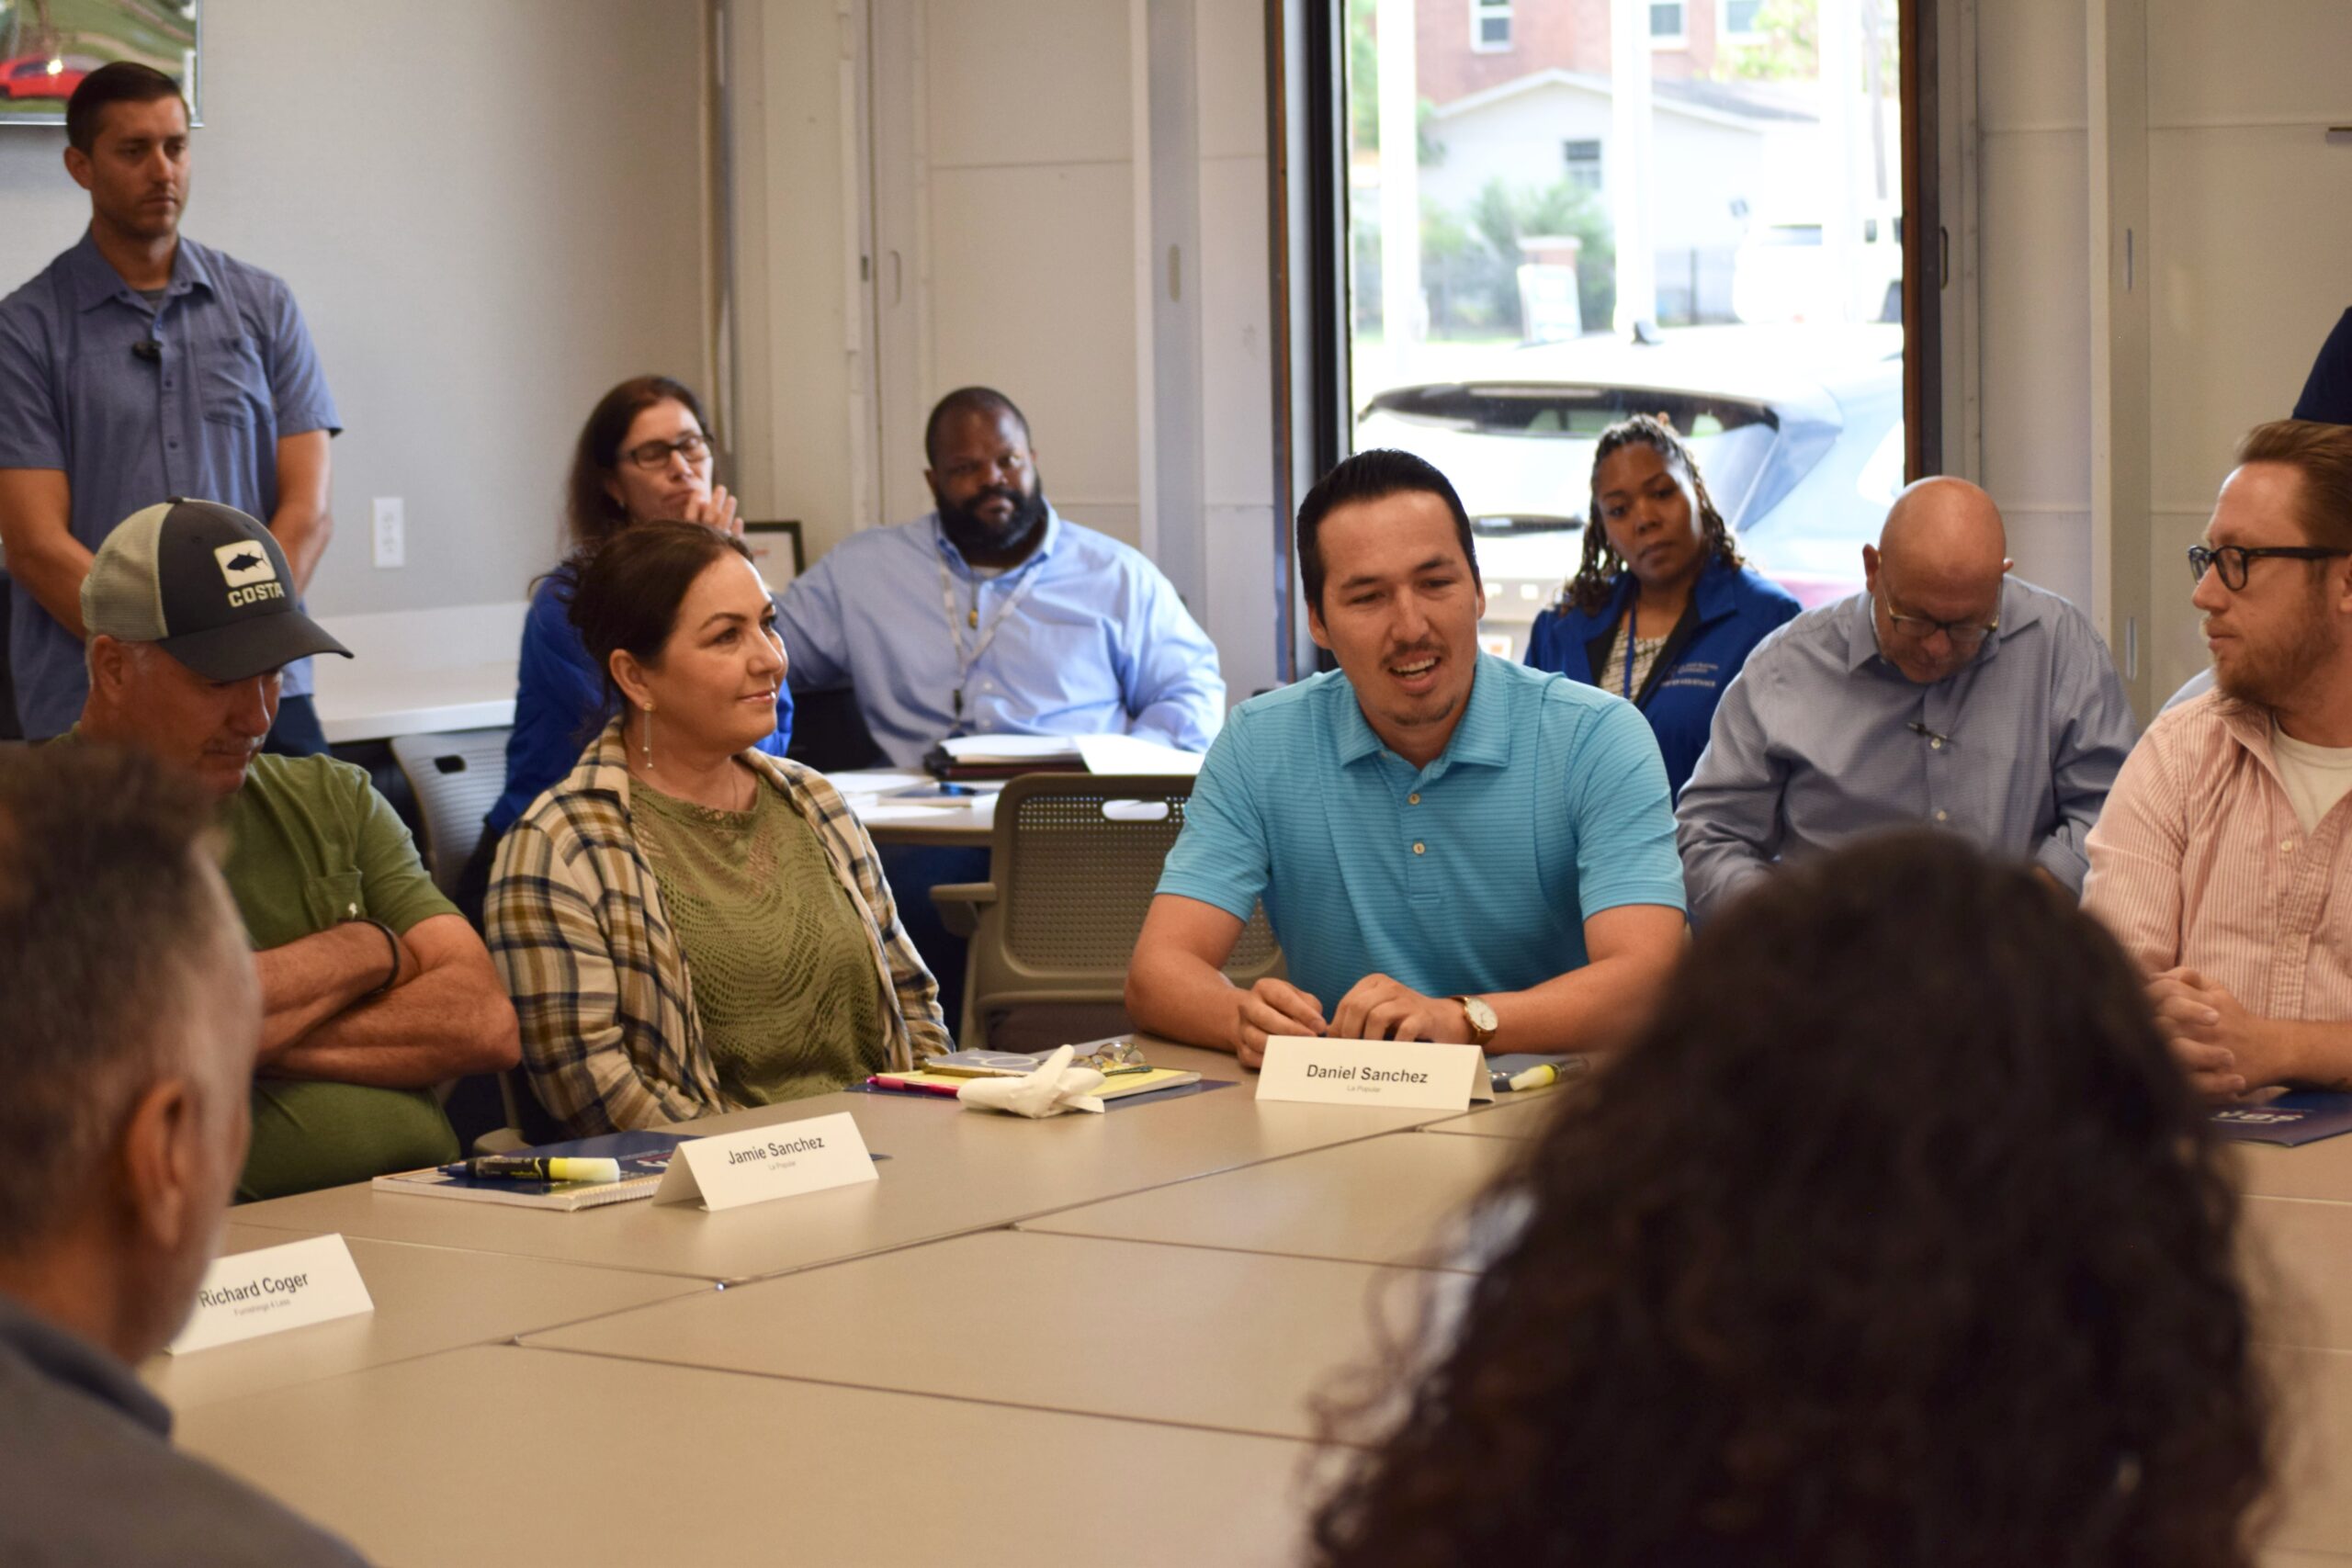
(1633, 635)
(957, 623)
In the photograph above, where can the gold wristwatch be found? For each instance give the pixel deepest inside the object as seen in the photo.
(1483, 1022)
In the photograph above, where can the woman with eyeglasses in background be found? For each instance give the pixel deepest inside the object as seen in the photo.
(1661, 612)
(644, 456)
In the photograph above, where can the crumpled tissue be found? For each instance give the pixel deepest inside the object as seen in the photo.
(1053, 1088)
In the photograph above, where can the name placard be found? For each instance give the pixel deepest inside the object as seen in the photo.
(248, 1294)
(1410, 1075)
(734, 1168)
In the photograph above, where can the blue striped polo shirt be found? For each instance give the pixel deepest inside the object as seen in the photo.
(1474, 873)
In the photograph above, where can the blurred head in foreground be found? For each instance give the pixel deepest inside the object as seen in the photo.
(1900, 1239)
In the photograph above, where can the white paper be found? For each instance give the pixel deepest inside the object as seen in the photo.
(1133, 754)
(1012, 748)
(731, 1169)
(1411, 1074)
(248, 1294)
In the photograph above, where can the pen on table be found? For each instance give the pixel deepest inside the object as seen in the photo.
(900, 1086)
(532, 1168)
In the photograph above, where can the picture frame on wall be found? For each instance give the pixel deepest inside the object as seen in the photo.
(777, 551)
(46, 50)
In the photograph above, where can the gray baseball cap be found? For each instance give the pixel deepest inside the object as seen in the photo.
(205, 582)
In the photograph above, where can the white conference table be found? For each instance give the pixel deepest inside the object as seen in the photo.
(949, 1172)
(1389, 1200)
(1085, 1339)
(428, 1299)
(1511, 1116)
(508, 1455)
(1074, 1323)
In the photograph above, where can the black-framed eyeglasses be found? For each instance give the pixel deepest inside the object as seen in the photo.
(692, 446)
(1964, 635)
(2230, 560)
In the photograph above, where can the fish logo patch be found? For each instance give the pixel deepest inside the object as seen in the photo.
(242, 563)
(251, 577)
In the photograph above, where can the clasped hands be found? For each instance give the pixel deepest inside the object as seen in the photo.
(1376, 1008)
(2224, 1049)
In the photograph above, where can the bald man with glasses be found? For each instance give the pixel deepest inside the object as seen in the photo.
(1947, 694)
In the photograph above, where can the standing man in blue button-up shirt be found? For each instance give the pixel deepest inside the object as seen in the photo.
(140, 366)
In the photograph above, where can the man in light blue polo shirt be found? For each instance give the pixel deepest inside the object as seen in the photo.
(137, 367)
(1449, 846)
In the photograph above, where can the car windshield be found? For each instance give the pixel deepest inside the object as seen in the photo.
(1802, 459)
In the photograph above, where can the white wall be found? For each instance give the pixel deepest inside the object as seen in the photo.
(489, 214)
(2250, 220)
(2035, 368)
(1014, 185)
(803, 428)
(2251, 224)
(1032, 253)
(1238, 519)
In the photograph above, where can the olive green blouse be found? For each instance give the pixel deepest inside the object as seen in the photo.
(783, 967)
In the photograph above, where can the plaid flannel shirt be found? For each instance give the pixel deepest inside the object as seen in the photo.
(605, 994)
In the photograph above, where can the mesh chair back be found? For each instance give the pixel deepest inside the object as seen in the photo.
(1077, 859)
(1075, 862)
(457, 777)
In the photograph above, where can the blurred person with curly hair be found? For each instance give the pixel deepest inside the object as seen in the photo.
(1662, 611)
(1901, 1240)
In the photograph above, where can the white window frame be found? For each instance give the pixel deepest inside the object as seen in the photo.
(1726, 32)
(1489, 10)
(1670, 41)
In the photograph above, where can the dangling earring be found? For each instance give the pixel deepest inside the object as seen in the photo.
(646, 741)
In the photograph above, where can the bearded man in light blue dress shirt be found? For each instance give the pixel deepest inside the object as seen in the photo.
(993, 615)
(1946, 694)
(997, 615)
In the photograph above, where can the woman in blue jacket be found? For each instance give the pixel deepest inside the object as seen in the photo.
(644, 455)
(1661, 611)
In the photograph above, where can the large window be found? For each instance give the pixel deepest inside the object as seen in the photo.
(1538, 261)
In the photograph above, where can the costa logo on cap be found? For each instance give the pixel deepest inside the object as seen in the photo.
(249, 573)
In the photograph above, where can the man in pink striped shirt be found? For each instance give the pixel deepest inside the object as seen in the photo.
(2223, 859)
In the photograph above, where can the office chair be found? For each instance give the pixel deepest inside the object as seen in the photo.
(1073, 863)
(457, 777)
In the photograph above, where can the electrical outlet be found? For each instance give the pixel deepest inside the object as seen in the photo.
(391, 532)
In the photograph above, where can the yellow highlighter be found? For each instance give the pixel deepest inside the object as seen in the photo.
(1543, 1075)
(529, 1167)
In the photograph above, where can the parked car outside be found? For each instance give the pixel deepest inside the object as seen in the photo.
(1784, 272)
(1797, 431)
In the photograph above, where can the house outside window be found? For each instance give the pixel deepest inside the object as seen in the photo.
(1490, 26)
(1670, 24)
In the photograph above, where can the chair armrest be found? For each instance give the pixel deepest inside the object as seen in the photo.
(959, 904)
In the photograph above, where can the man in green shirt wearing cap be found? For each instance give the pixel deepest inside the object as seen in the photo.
(374, 987)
